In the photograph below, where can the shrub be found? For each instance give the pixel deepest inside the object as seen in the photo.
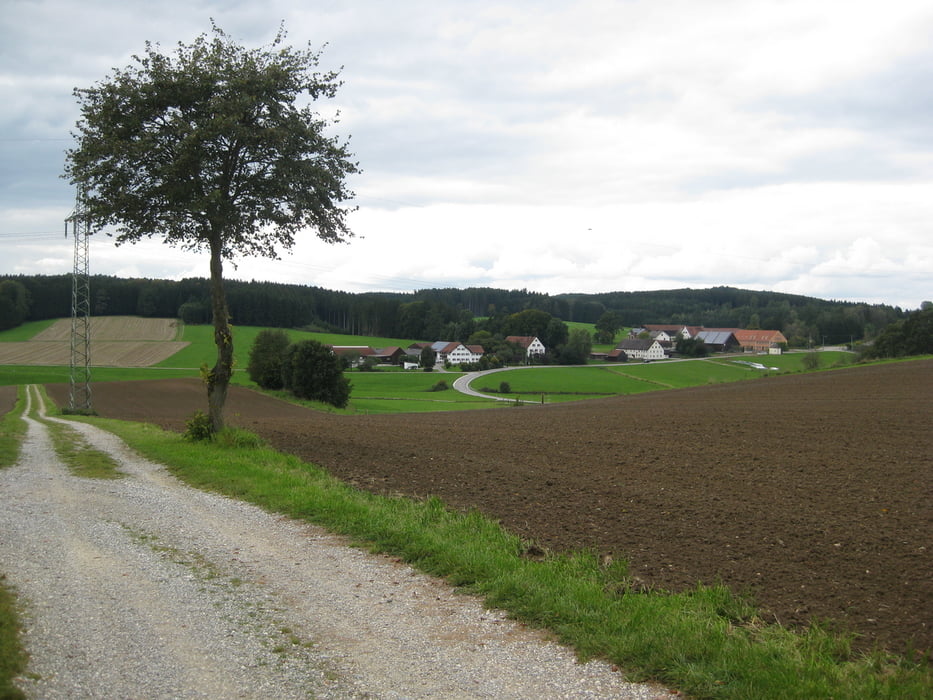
(440, 386)
(811, 361)
(266, 358)
(198, 428)
(505, 388)
(312, 371)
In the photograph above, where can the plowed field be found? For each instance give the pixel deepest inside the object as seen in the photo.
(813, 494)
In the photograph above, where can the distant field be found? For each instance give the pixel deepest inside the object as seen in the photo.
(116, 341)
(128, 348)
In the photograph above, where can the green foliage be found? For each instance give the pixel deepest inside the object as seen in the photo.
(198, 428)
(606, 327)
(505, 388)
(312, 371)
(14, 304)
(12, 430)
(691, 347)
(811, 361)
(910, 336)
(13, 658)
(440, 386)
(427, 358)
(267, 357)
(211, 141)
(238, 439)
(577, 349)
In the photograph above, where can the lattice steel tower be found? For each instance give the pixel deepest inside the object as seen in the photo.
(80, 396)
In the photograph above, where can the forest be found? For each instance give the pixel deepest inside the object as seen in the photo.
(449, 314)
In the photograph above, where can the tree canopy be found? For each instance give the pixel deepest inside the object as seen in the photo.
(211, 149)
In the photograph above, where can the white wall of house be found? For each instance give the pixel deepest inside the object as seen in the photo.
(462, 354)
(654, 352)
(536, 347)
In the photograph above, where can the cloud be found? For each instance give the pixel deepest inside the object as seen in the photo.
(560, 146)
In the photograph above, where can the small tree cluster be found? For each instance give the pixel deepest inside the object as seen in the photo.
(308, 369)
(691, 347)
(14, 304)
(910, 336)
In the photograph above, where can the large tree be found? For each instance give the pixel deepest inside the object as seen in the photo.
(214, 147)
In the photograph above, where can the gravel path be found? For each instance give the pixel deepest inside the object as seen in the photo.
(142, 587)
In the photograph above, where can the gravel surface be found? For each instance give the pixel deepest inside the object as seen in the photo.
(142, 587)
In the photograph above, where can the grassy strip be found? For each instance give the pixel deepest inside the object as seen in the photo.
(12, 430)
(704, 642)
(73, 450)
(13, 658)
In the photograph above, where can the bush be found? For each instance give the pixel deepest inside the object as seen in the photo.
(312, 371)
(811, 361)
(440, 386)
(267, 357)
(505, 388)
(198, 428)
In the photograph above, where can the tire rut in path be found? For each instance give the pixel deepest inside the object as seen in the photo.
(142, 586)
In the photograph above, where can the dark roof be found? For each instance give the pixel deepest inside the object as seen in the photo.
(635, 344)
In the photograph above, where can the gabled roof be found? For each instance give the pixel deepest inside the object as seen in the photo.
(717, 337)
(636, 344)
(445, 346)
(362, 350)
(523, 340)
(759, 336)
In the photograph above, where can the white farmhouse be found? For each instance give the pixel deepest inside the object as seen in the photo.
(457, 353)
(532, 345)
(638, 349)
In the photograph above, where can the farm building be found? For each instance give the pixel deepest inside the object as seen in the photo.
(354, 353)
(457, 353)
(637, 349)
(665, 333)
(760, 340)
(391, 355)
(718, 339)
(532, 345)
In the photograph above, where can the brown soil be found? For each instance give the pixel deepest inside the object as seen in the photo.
(810, 493)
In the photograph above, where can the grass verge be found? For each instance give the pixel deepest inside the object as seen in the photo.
(12, 656)
(12, 430)
(705, 642)
(74, 451)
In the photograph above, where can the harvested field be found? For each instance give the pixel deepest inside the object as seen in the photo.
(810, 493)
(116, 341)
(121, 328)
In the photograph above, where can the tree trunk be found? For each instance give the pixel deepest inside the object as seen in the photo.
(218, 378)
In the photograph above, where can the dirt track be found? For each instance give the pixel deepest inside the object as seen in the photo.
(811, 493)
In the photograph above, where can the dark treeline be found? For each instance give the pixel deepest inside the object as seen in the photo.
(449, 314)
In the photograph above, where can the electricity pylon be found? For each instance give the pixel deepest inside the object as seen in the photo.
(80, 395)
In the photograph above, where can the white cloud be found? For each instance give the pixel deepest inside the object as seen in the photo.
(584, 146)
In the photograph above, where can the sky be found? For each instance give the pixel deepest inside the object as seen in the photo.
(560, 147)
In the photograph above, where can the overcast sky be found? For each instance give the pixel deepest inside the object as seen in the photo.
(586, 146)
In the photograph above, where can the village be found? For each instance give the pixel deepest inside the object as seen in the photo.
(647, 343)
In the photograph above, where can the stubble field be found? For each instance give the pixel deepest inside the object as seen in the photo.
(116, 341)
